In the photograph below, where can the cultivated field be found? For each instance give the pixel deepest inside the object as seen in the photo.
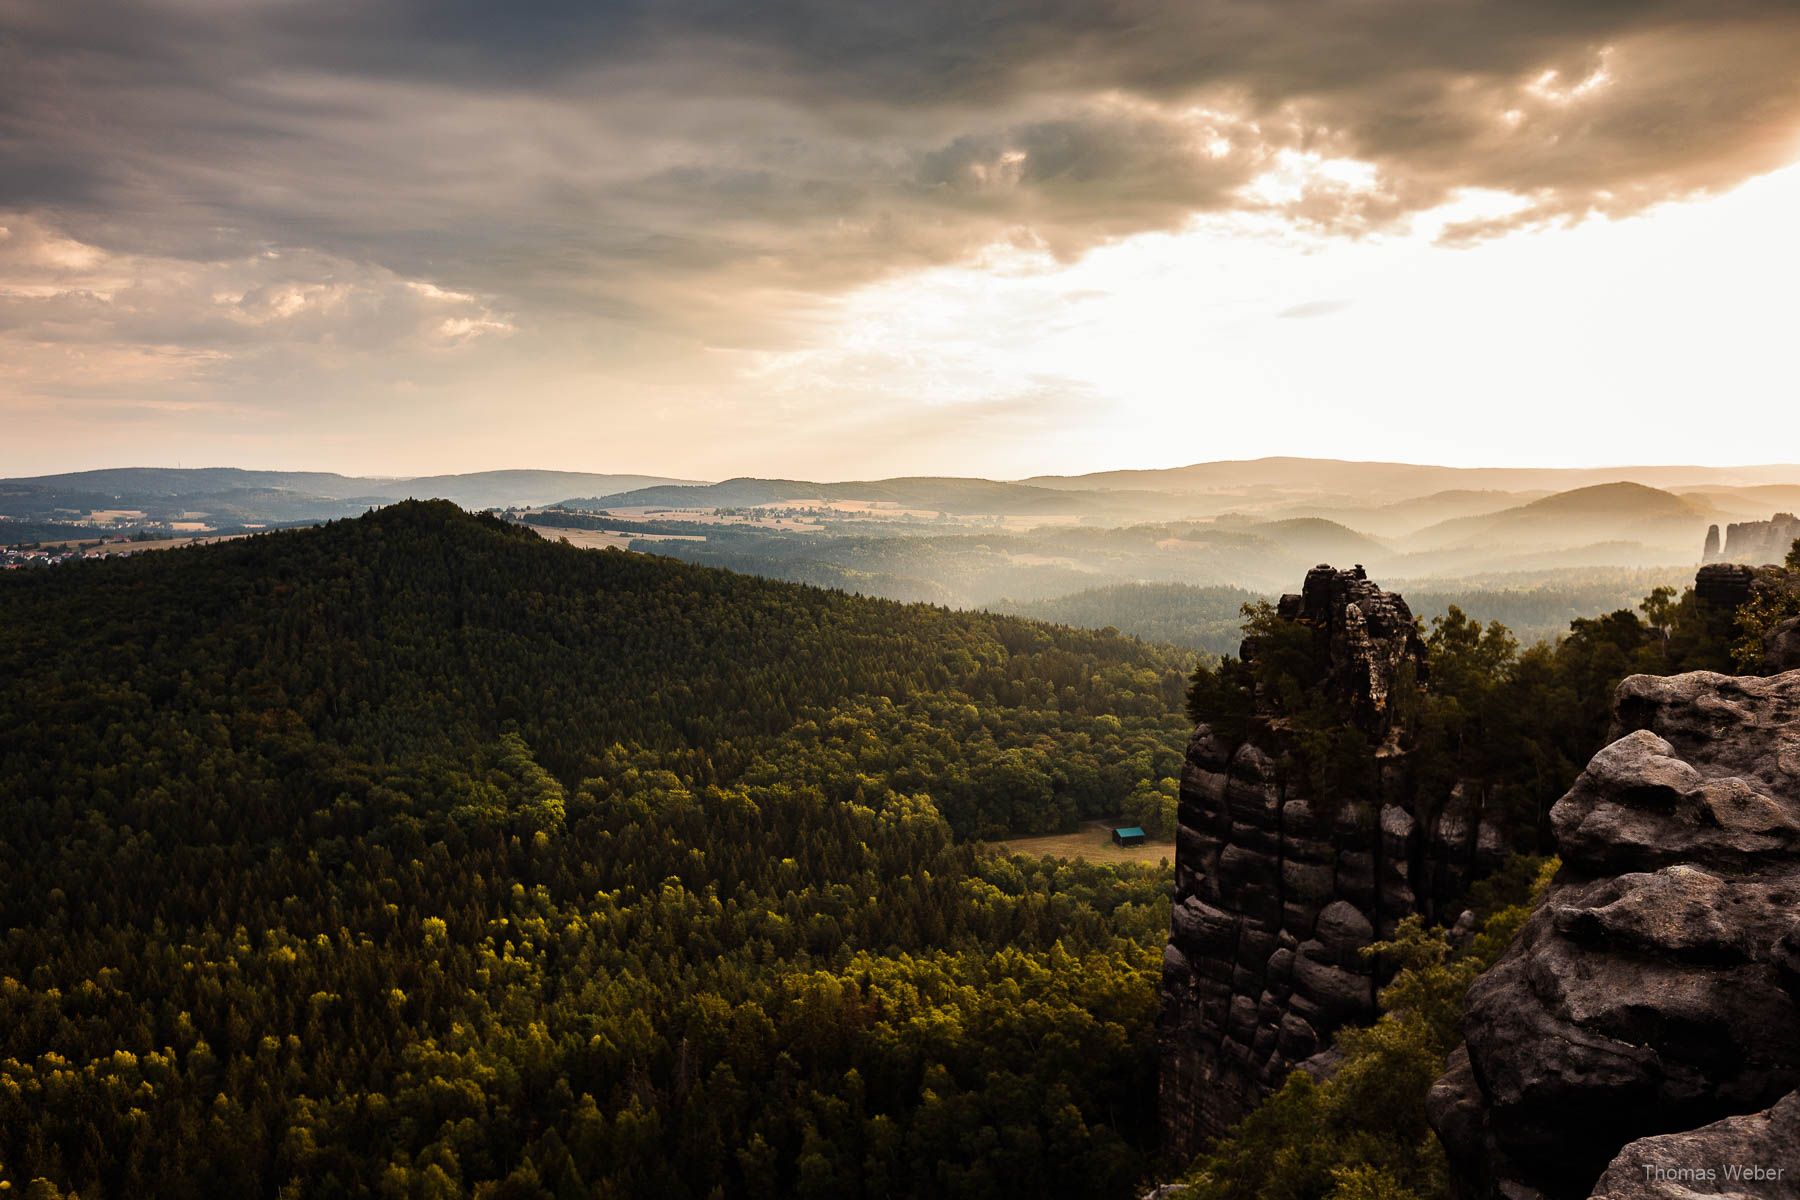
(1092, 844)
(697, 516)
(602, 539)
(120, 549)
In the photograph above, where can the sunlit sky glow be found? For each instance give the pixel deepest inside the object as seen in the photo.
(835, 240)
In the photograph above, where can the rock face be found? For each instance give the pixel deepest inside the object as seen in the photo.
(1781, 648)
(1724, 586)
(1710, 552)
(1650, 1008)
(1762, 541)
(1276, 894)
(1755, 1155)
(1363, 641)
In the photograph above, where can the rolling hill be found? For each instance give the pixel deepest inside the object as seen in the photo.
(1403, 517)
(959, 496)
(1318, 538)
(415, 856)
(1608, 512)
(1746, 503)
(230, 496)
(1382, 481)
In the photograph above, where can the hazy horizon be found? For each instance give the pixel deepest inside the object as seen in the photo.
(631, 468)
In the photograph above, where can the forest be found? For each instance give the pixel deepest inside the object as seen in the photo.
(415, 856)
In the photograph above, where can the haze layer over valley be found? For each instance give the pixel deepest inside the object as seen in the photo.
(1167, 555)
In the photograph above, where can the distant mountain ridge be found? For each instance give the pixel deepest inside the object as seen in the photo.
(501, 488)
(225, 497)
(952, 494)
(1378, 481)
(1265, 519)
(1606, 511)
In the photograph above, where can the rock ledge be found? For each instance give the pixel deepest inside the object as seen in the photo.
(1649, 1011)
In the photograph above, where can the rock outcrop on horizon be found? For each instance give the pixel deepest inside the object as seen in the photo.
(1276, 894)
(1647, 1017)
(1761, 541)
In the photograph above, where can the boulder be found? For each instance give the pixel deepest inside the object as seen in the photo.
(1781, 648)
(1757, 1154)
(1651, 997)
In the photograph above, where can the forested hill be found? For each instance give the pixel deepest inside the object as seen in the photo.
(415, 855)
(421, 627)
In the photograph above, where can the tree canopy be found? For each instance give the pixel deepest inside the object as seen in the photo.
(415, 856)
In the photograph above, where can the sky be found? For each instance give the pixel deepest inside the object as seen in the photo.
(844, 239)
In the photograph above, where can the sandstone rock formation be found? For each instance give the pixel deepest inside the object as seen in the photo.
(1762, 541)
(1752, 1156)
(1276, 893)
(1724, 586)
(1650, 1008)
(1781, 648)
(1363, 638)
(1727, 587)
(1711, 551)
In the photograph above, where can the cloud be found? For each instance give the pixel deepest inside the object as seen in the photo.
(651, 178)
(1315, 308)
(386, 123)
(56, 289)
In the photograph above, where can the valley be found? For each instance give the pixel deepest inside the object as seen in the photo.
(434, 852)
(848, 600)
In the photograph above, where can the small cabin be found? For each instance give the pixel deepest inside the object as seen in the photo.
(1129, 835)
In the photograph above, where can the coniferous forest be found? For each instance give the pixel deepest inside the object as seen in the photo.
(414, 856)
(746, 599)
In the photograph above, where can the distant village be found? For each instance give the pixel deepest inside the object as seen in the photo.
(111, 546)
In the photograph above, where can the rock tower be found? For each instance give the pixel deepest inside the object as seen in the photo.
(1276, 891)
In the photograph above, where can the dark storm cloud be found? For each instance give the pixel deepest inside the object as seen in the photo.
(678, 162)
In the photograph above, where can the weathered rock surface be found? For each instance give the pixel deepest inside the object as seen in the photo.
(1655, 991)
(1781, 648)
(1363, 637)
(1757, 1155)
(1276, 895)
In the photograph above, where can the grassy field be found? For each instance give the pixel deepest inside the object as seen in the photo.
(117, 549)
(1092, 844)
(602, 539)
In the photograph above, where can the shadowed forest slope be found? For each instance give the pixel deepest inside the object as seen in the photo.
(416, 855)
